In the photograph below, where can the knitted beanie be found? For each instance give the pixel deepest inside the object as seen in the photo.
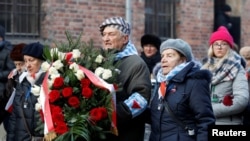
(34, 50)
(118, 23)
(151, 39)
(222, 34)
(245, 52)
(179, 45)
(16, 53)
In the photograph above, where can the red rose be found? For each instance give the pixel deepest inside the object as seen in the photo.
(61, 128)
(67, 92)
(115, 87)
(228, 100)
(41, 114)
(87, 92)
(74, 102)
(68, 56)
(54, 95)
(104, 112)
(99, 113)
(57, 117)
(58, 83)
(85, 82)
(95, 114)
(56, 109)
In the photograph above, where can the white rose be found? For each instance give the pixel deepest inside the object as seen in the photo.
(99, 71)
(61, 55)
(53, 71)
(54, 76)
(45, 66)
(53, 51)
(35, 90)
(58, 64)
(107, 73)
(74, 67)
(76, 53)
(38, 107)
(79, 74)
(99, 59)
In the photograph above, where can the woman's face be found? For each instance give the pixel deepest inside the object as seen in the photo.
(220, 48)
(149, 50)
(32, 64)
(170, 58)
(19, 65)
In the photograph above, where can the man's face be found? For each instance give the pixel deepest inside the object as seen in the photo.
(113, 38)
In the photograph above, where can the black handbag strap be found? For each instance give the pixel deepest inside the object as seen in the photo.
(25, 122)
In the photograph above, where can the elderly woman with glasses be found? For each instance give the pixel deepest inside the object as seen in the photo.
(229, 87)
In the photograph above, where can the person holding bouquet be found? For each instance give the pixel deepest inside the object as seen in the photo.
(22, 121)
(133, 99)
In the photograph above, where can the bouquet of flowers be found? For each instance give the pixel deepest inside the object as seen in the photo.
(77, 97)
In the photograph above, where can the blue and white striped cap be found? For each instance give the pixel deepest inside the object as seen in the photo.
(118, 23)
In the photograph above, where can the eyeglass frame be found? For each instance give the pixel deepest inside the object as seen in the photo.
(221, 45)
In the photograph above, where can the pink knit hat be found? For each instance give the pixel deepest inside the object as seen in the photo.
(222, 34)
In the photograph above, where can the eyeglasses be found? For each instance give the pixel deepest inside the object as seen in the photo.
(222, 45)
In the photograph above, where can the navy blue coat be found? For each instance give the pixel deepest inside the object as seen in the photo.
(189, 100)
(22, 118)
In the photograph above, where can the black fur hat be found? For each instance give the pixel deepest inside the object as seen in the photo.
(34, 50)
(226, 8)
(151, 39)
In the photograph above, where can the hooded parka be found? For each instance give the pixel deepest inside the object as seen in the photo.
(188, 97)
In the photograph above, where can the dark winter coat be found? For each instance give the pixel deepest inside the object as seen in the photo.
(6, 65)
(222, 19)
(134, 77)
(151, 61)
(189, 99)
(17, 130)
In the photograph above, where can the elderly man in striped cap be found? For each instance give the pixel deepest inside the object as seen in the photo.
(133, 99)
